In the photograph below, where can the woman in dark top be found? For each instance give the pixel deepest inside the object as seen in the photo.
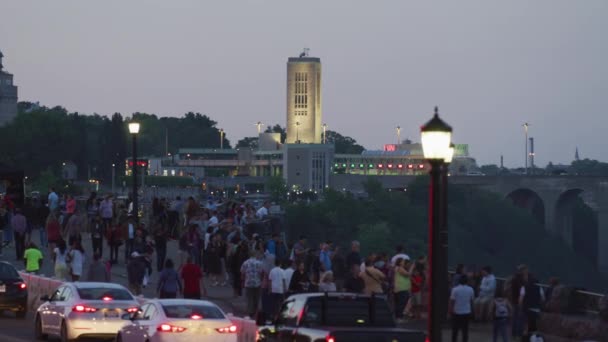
(240, 256)
(300, 281)
(213, 255)
(169, 285)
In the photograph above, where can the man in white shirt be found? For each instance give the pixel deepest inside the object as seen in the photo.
(487, 290)
(276, 276)
(461, 305)
(213, 221)
(263, 211)
(288, 273)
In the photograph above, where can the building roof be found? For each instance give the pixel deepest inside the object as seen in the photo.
(304, 60)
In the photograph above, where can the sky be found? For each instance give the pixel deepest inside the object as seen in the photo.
(490, 66)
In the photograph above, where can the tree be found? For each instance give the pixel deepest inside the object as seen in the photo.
(277, 129)
(248, 142)
(277, 188)
(344, 144)
(589, 167)
(490, 170)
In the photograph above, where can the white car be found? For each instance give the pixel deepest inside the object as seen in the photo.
(175, 320)
(86, 309)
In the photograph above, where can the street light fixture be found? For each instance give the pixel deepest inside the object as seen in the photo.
(134, 130)
(436, 136)
(324, 133)
(221, 138)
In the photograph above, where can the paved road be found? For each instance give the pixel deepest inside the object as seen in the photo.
(21, 330)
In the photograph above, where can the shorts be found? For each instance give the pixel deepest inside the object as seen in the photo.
(416, 298)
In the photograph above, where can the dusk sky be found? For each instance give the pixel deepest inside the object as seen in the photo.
(490, 66)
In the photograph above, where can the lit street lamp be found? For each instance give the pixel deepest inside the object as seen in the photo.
(398, 135)
(221, 138)
(436, 136)
(259, 126)
(134, 130)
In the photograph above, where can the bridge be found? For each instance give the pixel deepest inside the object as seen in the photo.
(550, 199)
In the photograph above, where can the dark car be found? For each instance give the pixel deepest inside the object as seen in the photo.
(13, 290)
(336, 317)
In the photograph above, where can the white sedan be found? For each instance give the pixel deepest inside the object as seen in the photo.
(86, 309)
(175, 320)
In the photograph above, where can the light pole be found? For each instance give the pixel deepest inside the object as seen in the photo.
(324, 134)
(436, 137)
(398, 135)
(113, 176)
(259, 126)
(221, 138)
(134, 130)
(526, 125)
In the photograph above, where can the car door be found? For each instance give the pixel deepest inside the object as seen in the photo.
(147, 326)
(49, 313)
(131, 331)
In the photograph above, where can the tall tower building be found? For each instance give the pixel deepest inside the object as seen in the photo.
(8, 95)
(304, 118)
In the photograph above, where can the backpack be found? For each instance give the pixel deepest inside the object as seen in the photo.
(501, 309)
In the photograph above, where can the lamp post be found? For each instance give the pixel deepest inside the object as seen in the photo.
(398, 135)
(221, 138)
(436, 137)
(526, 125)
(324, 134)
(134, 130)
(113, 176)
(259, 126)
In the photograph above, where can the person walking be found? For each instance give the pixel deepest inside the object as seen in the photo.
(169, 285)
(97, 233)
(160, 233)
(76, 260)
(32, 258)
(129, 235)
(502, 311)
(106, 210)
(252, 273)
(19, 225)
(276, 277)
(193, 280)
(60, 254)
(460, 308)
(136, 270)
(114, 239)
(53, 231)
(74, 228)
(98, 270)
(402, 286)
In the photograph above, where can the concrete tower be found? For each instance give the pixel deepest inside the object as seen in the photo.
(304, 118)
(8, 95)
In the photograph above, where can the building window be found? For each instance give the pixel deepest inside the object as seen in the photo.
(301, 90)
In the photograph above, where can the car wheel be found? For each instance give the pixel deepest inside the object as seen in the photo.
(21, 314)
(64, 333)
(38, 330)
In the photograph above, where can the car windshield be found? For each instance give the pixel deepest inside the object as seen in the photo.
(104, 293)
(190, 310)
(8, 272)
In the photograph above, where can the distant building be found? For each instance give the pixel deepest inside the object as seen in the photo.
(304, 100)
(307, 167)
(8, 95)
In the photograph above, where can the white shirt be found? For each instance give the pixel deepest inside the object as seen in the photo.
(77, 262)
(487, 288)
(402, 256)
(262, 212)
(287, 274)
(277, 278)
(213, 221)
(462, 295)
(60, 258)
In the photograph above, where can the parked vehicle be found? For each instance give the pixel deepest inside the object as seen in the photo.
(13, 290)
(335, 317)
(87, 309)
(174, 320)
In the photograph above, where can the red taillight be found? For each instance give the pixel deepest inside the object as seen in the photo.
(169, 328)
(83, 308)
(22, 286)
(132, 310)
(330, 339)
(196, 317)
(227, 330)
(106, 299)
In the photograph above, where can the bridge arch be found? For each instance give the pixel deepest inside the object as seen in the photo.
(529, 200)
(577, 223)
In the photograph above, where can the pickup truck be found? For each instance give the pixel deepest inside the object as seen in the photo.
(335, 317)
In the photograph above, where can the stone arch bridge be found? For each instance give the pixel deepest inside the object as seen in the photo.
(549, 198)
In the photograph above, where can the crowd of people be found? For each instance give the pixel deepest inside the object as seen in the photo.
(231, 244)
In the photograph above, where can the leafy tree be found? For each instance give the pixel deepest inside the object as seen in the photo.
(344, 144)
(277, 129)
(589, 167)
(277, 188)
(248, 142)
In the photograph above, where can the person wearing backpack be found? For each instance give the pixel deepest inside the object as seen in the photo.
(169, 284)
(502, 313)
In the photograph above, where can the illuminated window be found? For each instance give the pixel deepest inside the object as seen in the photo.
(301, 91)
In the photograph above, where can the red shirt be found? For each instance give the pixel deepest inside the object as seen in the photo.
(53, 231)
(191, 274)
(416, 283)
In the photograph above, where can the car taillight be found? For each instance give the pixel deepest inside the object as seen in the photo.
(169, 328)
(83, 308)
(132, 310)
(22, 286)
(195, 316)
(106, 299)
(227, 330)
(330, 338)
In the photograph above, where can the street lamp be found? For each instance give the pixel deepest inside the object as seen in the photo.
(221, 138)
(259, 126)
(398, 135)
(113, 176)
(134, 130)
(436, 136)
(324, 133)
